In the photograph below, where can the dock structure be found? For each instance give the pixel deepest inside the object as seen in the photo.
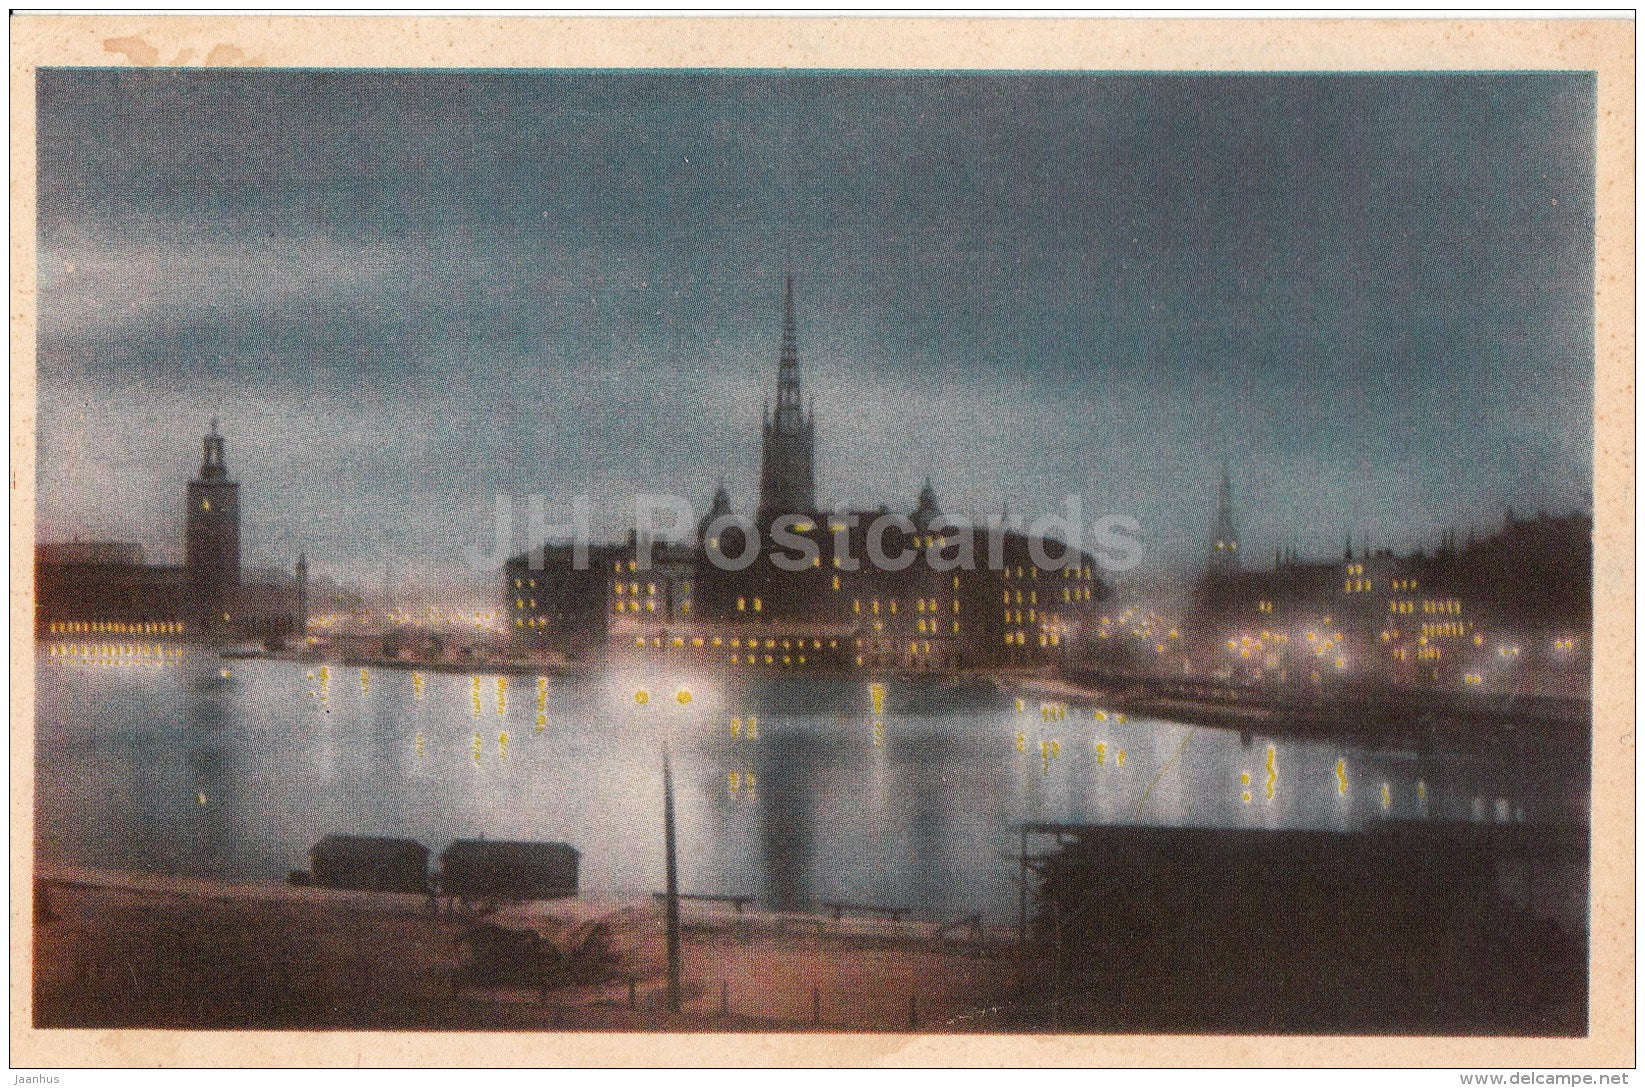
(369, 863)
(483, 869)
(1416, 925)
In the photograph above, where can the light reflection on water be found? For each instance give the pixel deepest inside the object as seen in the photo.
(808, 808)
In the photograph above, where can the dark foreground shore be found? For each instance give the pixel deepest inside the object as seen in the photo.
(118, 950)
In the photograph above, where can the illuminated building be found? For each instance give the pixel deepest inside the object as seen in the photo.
(104, 587)
(1512, 611)
(807, 593)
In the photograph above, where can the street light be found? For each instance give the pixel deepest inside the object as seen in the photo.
(672, 897)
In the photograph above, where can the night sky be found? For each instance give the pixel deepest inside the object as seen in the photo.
(406, 293)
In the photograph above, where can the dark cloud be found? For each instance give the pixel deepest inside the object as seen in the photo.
(407, 292)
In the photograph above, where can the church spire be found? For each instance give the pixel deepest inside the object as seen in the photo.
(786, 469)
(1224, 537)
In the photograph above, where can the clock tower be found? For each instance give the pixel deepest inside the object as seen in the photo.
(212, 545)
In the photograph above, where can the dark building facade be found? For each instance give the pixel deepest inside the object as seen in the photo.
(797, 586)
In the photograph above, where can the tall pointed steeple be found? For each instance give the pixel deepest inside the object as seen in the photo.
(1224, 537)
(787, 482)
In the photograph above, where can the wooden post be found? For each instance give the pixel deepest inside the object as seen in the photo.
(1022, 893)
(673, 906)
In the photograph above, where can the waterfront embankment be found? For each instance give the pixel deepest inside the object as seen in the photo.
(133, 950)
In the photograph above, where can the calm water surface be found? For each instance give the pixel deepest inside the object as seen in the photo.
(180, 769)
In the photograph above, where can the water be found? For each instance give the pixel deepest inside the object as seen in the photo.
(180, 769)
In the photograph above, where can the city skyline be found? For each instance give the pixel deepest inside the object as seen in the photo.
(553, 312)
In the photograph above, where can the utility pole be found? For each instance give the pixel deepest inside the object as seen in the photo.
(673, 904)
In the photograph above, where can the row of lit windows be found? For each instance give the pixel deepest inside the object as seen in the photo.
(1404, 585)
(929, 627)
(633, 606)
(530, 583)
(718, 642)
(1355, 570)
(890, 606)
(56, 649)
(1020, 638)
(1451, 607)
(633, 589)
(1401, 608)
(1015, 616)
(1081, 593)
(1445, 630)
(1357, 585)
(1033, 598)
(742, 604)
(1265, 606)
(111, 628)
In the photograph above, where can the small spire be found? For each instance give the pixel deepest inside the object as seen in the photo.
(790, 346)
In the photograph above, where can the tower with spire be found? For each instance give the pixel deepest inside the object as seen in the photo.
(1224, 537)
(787, 480)
(212, 536)
(926, 511)
(302, 597)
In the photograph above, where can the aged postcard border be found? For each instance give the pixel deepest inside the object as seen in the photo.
(1603, 46)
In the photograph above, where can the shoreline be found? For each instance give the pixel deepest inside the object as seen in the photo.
(123, 949)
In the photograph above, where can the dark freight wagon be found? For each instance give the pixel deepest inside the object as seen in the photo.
(373, 864)
(483, 869)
